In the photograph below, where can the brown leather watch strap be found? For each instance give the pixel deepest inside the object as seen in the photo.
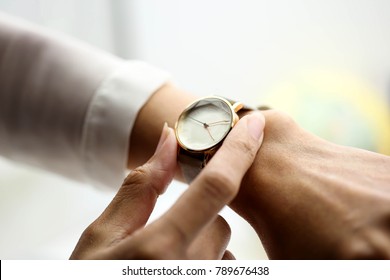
(190, 165)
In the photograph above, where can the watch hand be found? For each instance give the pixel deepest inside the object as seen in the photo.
(218, 122)
(208, 130)
(204, 124)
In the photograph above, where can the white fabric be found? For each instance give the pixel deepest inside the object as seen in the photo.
(110, 119)
(67, 107)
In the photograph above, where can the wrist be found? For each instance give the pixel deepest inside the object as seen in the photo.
(286, 178)
(165, 105)
(277, 165)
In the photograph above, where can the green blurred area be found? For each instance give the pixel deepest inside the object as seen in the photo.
(340, 108)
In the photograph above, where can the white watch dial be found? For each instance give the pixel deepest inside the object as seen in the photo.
(204, 124)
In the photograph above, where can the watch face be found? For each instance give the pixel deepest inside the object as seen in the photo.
(204, 124)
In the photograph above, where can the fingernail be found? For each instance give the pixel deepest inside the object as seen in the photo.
(256, 125)
(163, 137)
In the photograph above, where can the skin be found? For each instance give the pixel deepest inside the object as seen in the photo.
(308, 198)
(305, 197)
(181, 233)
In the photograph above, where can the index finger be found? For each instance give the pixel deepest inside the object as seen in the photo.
(218, 183)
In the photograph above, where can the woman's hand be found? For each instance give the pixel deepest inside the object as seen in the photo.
(308, 198)
(192, 227)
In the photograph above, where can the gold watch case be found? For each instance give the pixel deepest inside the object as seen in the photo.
(204, 124)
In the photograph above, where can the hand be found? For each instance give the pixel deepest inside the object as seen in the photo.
(310, 199)
(191, 228)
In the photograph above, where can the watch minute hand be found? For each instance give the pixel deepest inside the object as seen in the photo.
(205, 125)
(219, 122)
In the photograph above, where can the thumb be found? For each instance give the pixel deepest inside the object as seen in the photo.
(131, 207)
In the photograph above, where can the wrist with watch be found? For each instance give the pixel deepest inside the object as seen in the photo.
(201, 129)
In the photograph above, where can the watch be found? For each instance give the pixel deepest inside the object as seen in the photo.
(201, 129)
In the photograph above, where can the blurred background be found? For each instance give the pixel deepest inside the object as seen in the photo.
(327, 63)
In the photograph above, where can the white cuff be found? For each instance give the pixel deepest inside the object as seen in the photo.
(110, 119)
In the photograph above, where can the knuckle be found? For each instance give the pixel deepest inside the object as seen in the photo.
(139, 179)
(92, 234)
(137, 176)
(144, 177)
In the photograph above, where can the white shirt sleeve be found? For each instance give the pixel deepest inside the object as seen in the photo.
(110, 118)
(68, 107)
